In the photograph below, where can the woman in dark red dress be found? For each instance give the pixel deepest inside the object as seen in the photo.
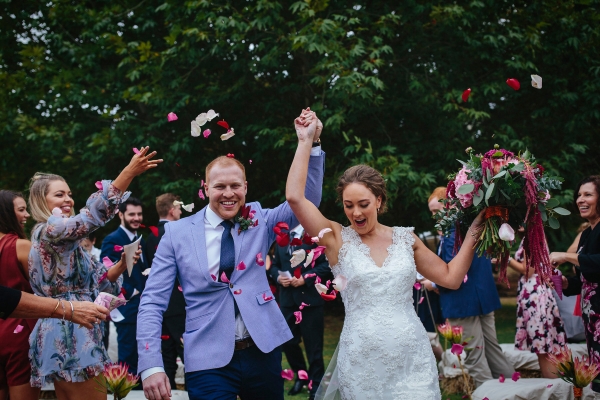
(15, 370)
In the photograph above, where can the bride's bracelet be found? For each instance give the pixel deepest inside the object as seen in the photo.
(475, 232)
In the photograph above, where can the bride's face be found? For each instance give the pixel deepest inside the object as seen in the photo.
(360, 206)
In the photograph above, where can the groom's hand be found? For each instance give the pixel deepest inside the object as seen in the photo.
(157, 387)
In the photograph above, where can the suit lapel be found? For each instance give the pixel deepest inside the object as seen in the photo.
(198, 238)
(237, 241)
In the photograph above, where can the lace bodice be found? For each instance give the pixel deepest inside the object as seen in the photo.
(384, 352)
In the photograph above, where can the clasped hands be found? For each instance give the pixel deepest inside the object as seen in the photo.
(295, 282)
(308, 126)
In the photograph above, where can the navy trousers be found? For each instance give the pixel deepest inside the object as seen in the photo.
(128, 346)
(251, 374)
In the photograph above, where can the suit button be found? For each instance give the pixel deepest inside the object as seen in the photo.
(231, 285)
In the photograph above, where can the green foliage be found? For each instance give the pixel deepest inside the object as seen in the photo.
(84, 82)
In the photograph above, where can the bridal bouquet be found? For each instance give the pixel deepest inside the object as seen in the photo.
(515, 191)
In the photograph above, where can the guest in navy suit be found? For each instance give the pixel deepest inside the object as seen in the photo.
(173, 325)
(130, 213)
(472, 305)
(293, 292)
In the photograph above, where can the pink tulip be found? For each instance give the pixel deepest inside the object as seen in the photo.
(457, 349)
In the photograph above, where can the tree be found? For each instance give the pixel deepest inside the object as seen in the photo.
(87, 82)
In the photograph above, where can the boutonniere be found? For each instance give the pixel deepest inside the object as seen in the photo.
(246, 219)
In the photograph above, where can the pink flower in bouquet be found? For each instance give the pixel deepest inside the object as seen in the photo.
(457, 333)
(544, 196)
(466, 200)
(562, 359)
(445, 330)
(585, 372)
(495, 159)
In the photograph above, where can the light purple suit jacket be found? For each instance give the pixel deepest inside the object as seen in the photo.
(210, 321)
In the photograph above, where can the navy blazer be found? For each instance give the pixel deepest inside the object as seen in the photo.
(135, 281)
(477, 296)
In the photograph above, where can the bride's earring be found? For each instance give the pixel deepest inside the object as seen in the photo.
(377, 210)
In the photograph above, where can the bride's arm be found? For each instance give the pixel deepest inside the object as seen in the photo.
(307, 213)
(452, 274)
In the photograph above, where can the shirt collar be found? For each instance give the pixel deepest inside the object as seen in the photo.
(212, 217)
(163, 220)
(298, 230)
(130, 234)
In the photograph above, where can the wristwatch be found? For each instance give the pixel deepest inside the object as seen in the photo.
(317, 143)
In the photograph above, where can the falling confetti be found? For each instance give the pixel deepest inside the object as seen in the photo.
(465, 95)
(513, 83)
(172, 117)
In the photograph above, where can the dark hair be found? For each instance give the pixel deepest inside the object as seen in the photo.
(8, 219)
(367, 176)
(595, 179)
(134, 201)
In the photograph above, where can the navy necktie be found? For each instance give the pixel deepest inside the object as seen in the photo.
(227, 261)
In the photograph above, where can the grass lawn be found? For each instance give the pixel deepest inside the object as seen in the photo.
(334, 320)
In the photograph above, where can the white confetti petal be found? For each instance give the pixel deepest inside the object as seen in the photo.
(211, 114)
(230, 133)
(297, 257)
(195, 129)
(536, 81)
(188, 207)
(201, 119)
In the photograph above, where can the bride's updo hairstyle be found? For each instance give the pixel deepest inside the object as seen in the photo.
(367, 176)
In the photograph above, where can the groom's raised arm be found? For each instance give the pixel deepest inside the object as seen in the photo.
(154, 302)
(313, 192)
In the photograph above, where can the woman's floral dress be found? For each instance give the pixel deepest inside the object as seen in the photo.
(540, 328)
(586, 284)
(61, 269)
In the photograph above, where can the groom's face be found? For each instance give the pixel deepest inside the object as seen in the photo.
(226, 189)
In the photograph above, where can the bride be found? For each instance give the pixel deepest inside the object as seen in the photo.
(384, 351)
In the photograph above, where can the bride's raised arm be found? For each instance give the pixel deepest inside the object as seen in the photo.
(307, 213)
(452, 274)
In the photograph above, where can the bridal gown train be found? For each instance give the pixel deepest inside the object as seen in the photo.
(384, 351)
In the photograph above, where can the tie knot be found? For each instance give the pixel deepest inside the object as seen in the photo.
(227, 224)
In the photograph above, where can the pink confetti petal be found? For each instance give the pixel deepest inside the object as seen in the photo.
(328, 283)
(206, 133)
(239, 291)
(417, 286)
(466, 278)
(107, 262)
(180, 288)
(422, 298)
(213, 276)
(224, 277)
(302, 305)
(516, 376)
(116, 247)
(501, 379)
(18, 329)
(298, 315)
(267, 297)
(310, 385)
(135, 150)
(339, 283)
(171, 117)
(98, 185)
(147, 348)
(287, 374)
(302, 375)
(259, 259)
(241, 266)
(309, 276)
(317, 280)
(549, 386)
(201, 194)
(250, 161)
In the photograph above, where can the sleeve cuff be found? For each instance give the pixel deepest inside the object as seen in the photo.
(433, 285)
(315, 151)
(151, 371)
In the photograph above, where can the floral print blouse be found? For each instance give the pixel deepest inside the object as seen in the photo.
(60, 268)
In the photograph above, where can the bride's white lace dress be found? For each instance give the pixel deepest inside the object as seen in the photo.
(384, 351)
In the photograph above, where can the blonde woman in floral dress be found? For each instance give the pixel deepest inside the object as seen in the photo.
(540, 328)
(61, 352)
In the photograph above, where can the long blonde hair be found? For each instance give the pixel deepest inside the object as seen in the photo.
(38, 190)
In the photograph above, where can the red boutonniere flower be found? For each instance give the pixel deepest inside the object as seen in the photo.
(246, 219)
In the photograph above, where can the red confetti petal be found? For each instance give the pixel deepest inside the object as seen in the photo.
(513, 83)
(165, 337)
(223, 123)
(328, 297)
(239, 291)
(230, 155)
(154, 230)
(465, 95)
(298, 273)
(516, 376)
(501, 379)
(241, 266)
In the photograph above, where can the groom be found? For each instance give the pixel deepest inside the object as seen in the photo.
(233, 327)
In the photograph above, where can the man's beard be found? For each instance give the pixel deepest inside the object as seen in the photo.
(128, 226)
